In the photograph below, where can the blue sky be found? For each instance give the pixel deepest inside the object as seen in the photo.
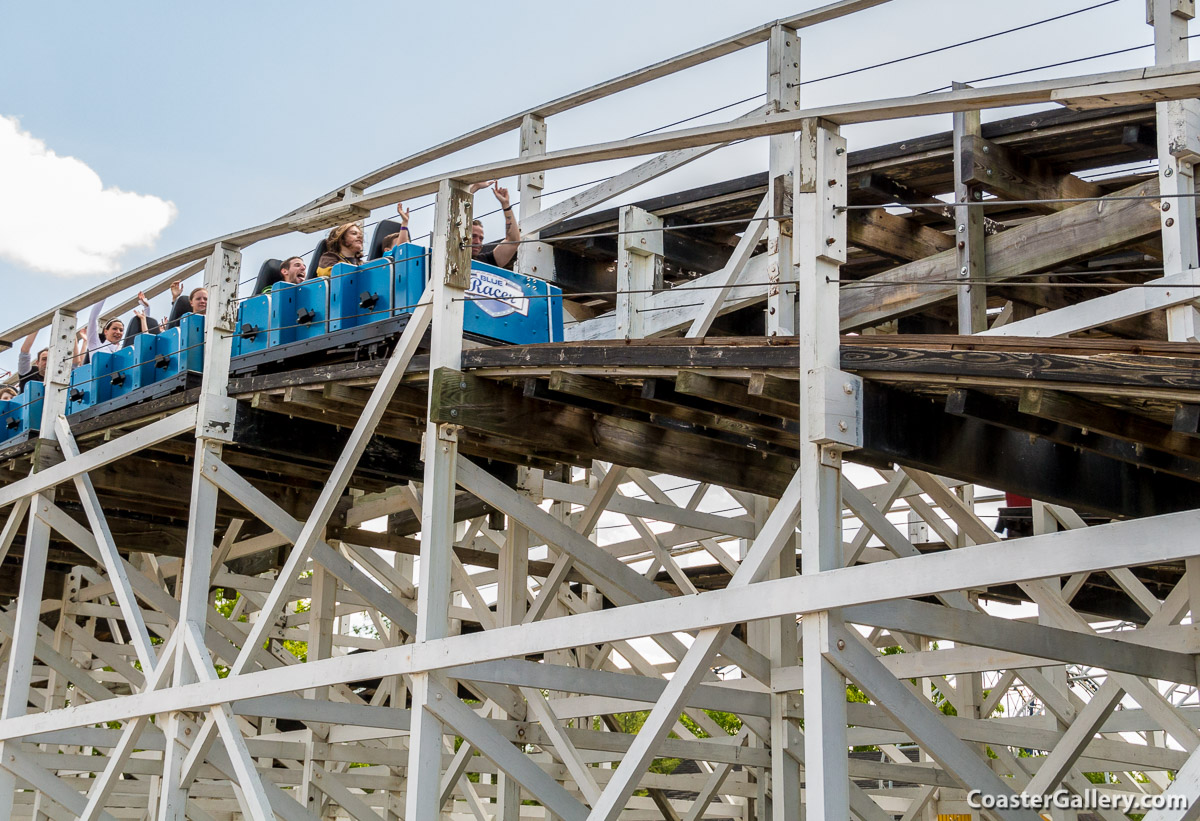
(234, 113)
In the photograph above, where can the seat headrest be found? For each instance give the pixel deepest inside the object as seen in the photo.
(382, 231)
(321, 248)
(268, 275)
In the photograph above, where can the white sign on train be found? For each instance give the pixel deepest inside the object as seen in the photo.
(497, 296)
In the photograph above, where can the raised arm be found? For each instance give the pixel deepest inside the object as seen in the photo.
(23, 360)
(505, 251)
(405, 235)
(93, 326)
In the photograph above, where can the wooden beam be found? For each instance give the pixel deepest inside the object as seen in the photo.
(1041, 245)
(482, 404)
(598, 394)
(1074, 434)
(970, 627)
(733, 394)
(768, 425)
(1187, 420)
(895, 237)
(969, 231)
(915, 432)
(1005, 173)
(1091, 415)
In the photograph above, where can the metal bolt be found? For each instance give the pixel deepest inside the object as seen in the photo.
(830, 240)
(987, 149)
(187, 730)
(438, 696)
(843, 427)
(839, 151)
(1166, 206)
(1170, 221)
(642, 240)
(847, 388)
(462, 385)
(978, 195)
(454, 411)
(963, 270)
(962, 228)
(1168, 172)
(989, 172)
(841, 644)
(832, 183)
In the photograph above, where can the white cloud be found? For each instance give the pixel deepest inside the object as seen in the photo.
(56, 215)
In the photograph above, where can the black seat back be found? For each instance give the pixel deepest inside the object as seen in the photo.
(316, 258)
(268, 275)
(382, 231)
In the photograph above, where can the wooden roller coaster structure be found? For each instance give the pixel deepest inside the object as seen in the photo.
(383, 582)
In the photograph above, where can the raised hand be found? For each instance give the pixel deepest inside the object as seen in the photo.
(143, 301)
(476, 186)
(501, 194)
(176, 289)
(403, 212)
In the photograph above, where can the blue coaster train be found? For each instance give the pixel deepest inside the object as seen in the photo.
(354, 304)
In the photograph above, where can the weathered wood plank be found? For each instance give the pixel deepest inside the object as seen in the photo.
(481, 404)
(894, 237)
(1093, 416)
(591, 389)
(728, 393)
(1187, 420)
(1007, 174)
(1056, 239)
(1005, 414)
(916, 432)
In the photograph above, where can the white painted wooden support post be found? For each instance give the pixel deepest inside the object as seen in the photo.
(511, 602)
(783, 94)
(534, 258)
(968, 231)
(214, 427)
(783, 651)
(830, 422)
(1178, 126)
(1044, 522)
(37, 547)
(758, 638)
(639, 267)
(449, 276)
(322, 610)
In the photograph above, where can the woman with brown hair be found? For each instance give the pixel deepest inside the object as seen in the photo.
(344, 244)
(107, 340)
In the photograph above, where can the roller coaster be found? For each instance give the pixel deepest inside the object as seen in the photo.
(862, 487)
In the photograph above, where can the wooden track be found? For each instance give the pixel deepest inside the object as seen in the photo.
(714, 410)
